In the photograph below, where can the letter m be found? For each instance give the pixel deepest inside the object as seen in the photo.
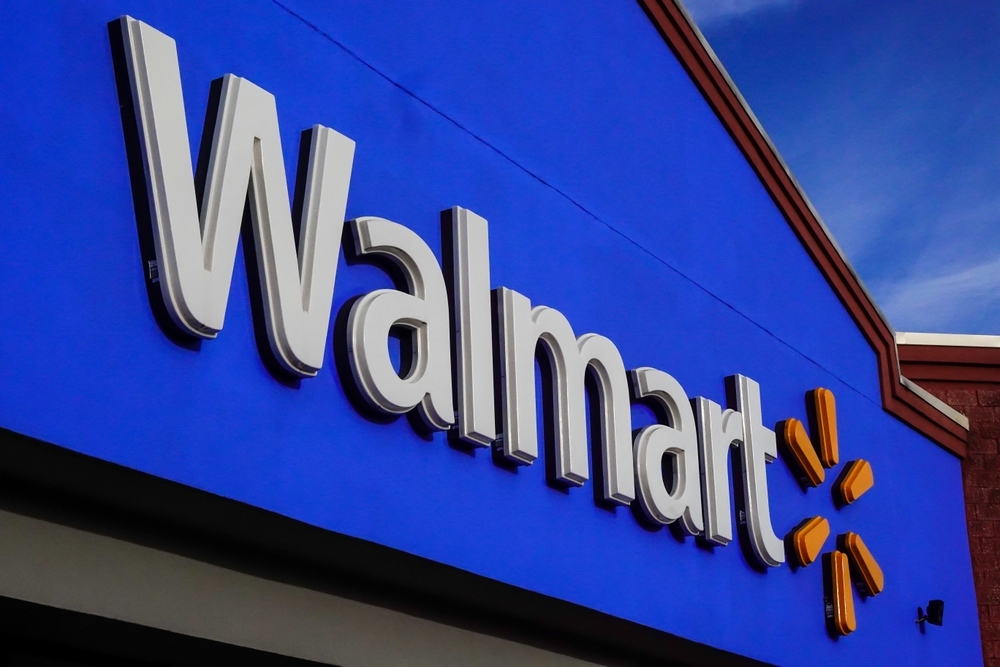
(196, 241)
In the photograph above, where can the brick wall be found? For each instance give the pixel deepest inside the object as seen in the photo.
(980, 402)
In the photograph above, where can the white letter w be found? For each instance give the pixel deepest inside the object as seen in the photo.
(195, 253)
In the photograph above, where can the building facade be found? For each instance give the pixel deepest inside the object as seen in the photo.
(964, 372)
(440, 334)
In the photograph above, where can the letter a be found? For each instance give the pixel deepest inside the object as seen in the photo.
(423, 311)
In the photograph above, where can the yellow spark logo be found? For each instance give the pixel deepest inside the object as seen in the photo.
(850, 561)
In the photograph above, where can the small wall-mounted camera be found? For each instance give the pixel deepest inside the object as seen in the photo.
(934, 615)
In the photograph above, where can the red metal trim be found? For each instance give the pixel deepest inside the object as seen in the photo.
(897, 400)
(987, 357)
(937, 363)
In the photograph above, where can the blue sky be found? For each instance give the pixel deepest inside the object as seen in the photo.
(888, 114)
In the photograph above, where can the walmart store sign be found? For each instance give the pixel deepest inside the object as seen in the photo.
(450, 328)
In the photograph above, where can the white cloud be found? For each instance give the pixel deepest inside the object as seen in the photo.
(943, 303)
(710, 11)
(896, 158)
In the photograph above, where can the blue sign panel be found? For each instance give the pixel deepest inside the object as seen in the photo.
(613, 195)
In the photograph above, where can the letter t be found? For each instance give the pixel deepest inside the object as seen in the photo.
(759, 448)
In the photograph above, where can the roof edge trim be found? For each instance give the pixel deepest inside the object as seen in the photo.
(898, 397)
(946, 340)
(948, 411)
